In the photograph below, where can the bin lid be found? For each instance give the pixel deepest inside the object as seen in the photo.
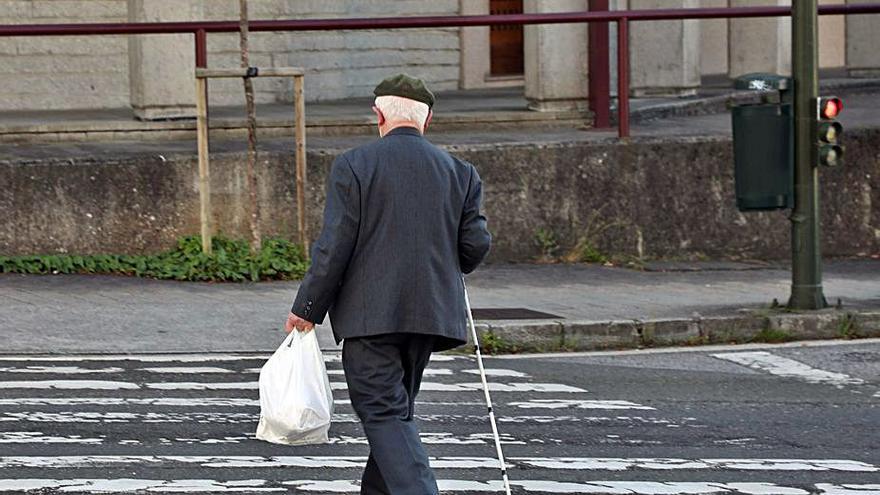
(762, 81)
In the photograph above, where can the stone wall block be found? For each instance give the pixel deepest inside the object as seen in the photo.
(862, 42)
(555, 58)
(664, 55)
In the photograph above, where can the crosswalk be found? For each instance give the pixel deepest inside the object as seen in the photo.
(184, 423)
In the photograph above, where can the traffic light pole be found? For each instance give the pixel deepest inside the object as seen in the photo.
(806, 286)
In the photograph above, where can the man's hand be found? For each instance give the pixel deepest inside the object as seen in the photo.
(300, 324)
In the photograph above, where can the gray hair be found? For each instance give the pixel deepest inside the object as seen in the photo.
(400, 108)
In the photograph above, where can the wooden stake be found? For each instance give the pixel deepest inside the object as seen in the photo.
(300, 135)
(204, 170)
(256, 238)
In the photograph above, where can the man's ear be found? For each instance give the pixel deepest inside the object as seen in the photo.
(428, 121)
(379, 115)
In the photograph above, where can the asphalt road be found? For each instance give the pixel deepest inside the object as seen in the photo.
(788, 420)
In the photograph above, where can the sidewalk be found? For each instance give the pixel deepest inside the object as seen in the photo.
(499, 114)
(592, 306)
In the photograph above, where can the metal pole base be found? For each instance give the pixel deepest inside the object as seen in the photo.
(807, 297)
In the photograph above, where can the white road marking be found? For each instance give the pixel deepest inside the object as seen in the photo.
(189, 370)
(67, 370)
(40, 437)
(847, 489)
(622, 464)
(444, 462)
(124, 485)
(70, 384)
(37, 437)
(689, 349)
(198, 370)
(499, 372)
(183, 402)
(252, 417)
(578, 404)
(330, 357)
(253, 385)
(149, 358)
(789, 368)
(128, 401)
(592, 487)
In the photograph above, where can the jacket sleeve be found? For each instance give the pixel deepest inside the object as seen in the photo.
(474, 238)
(332, 251)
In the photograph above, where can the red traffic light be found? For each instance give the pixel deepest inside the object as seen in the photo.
(830, 107)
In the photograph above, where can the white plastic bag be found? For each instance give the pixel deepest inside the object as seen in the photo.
(296, 401)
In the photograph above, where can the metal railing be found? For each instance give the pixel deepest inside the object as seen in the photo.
(600, 99)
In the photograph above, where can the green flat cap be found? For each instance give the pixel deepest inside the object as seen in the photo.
(406, 87)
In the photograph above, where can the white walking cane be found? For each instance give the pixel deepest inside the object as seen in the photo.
(467, 303)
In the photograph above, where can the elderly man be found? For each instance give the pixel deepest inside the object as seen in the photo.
(401, 223)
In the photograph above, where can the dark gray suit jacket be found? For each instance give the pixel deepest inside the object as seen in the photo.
(401, 223)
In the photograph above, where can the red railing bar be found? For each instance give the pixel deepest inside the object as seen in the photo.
(416, 22)
(599, 71)
(201, 48)
(623, 78)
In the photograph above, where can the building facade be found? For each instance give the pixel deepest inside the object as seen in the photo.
(153, 74)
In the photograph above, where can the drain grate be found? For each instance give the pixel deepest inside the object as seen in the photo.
(511, 314)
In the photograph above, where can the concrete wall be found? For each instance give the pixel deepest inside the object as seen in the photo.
(340, 64)
(713, 40)
(65, 73)
(663, 198)
(68, 72)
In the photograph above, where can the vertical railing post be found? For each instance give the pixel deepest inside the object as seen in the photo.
(623, 77)
(599, 68)
(202, 137)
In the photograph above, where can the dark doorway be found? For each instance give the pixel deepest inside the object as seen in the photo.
(506, 42)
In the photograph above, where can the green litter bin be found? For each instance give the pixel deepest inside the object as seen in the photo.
(763, 145)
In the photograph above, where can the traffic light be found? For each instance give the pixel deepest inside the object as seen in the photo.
(829, 130)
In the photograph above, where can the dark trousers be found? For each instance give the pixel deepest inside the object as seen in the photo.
(383, 373)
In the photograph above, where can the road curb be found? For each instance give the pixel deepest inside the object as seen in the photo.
(535, 336)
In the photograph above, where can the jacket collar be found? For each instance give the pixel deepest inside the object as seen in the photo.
(408, 131)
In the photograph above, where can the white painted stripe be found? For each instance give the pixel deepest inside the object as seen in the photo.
(499, 372)
(592, 487)
(689, 349)
(125, 485)
(37, 437)
(190, 370)
(70, 384)
(622, 464)
(149, 358)
(332, 372)
(443, 462)
(425, 387)
(67, 370)
(206, 385)
(251, 418)
(198, 370)
(579, 404)
(40, 437)
(789, 368)
(135, 401)
(330, 357)
(182, 402)
(848, 489)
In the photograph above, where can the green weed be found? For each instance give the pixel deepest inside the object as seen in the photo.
(231, 261)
